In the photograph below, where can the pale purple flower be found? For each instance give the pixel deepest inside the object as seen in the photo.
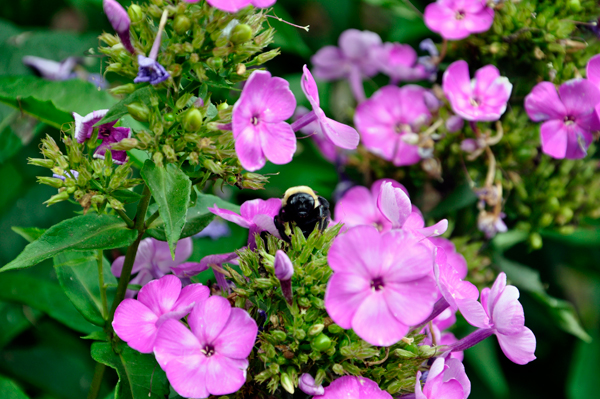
(481, 99)
(137, 321)
(258, 122)
(215, 230)
(118, 18)
(52, 70)
(352, 60)
(450, 281)
(457, 19)
(381, 283)
(339, 134)
(153, 260)
(284, 270)
(150, 70)
(454, 124)
(236, 5)
(211, 359)
(313, 130)
(388, 118)
(500, 313)
(353, 387)
(446, 379)
(401, 64)
(107, 132)
(491, 223)
(73, 174)
(215, 262)
(570, 119)
(306, 383)
(453, 258)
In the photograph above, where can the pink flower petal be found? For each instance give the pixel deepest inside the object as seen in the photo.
(580, 97)
(262, 3)
(593, 70)
(135, 324)
(208, 320)
(230, 216)
(519, 348)
(394, 204)
(484, 77)
(357, 207)
(191, 294)
(309, 87)
(266, 223)
(375, 323)
(508, 313)
(543, 103)
(225, 375)
(251, 208)
(404, 257)
(162, 256)
(479, 22)
(443, 20)
(554, 137)
(237, 339)
(339, 134)
(279, 101)
(456, 79)
(278, 142)
(447, 390)
(160, 295)
(356, 251)
(411, 302)
(329, 63)
(345, 293)
(406, 154)
(228, 5)
(473, 312)
(248, 149)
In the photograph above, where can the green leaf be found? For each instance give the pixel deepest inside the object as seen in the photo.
(10, 390)
(119, 110)
(97, 336)
(50, 101)
(171, 189)
(77, 273)
(80, 233)
(583, 382)
(581, 237)
(29, 233)
(126, 196)
(461, 197)
(16, 318)
(483, 359)
(140, 376)
(528, 279)
(502, 242)
(197, 218)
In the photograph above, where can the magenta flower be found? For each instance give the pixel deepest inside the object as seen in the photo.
(374, 290)
(313, 130)
(339, 134)
(118, 18)
(569, 119)
(457, 19)
(352, 60)
(453, 258)
(153, 260)
(353, 387)
(453, 288)
(137, 321)
(306, 383)
(500, 313)
(481, 99)
(236, 5)
(258, 122)
(387, 119)
(446, 379)
(211, 359)
(107, 132)
(401, 64)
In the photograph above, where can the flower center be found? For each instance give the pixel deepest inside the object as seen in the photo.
(569, 120)
(476, 102)
(377, 284)
(208, 350)
(460, 14)
(402, 128)
(103, 132)
(254, 120)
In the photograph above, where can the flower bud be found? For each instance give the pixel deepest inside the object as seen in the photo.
(321, 343)
(215, 63)
(192, 121)
(284, 269)
(44, 163)
(431, 101)
(125, 145)
(338, 369)
(469, 145)
(241, 34)
(269, 55)
(123, 89)
(454, 124)
(307, 384)
(119, 19)
(139, 111)
(316, 329)
(62, 196)
(279, 335)
(169, 153)
(403, 353)
(426, 351)
(287, 382)
(50, 181)
(158, 159)
(116, 204)
(182, 24)
(135, 13)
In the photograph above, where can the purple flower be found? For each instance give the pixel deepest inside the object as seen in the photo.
(215, 230)
(153, 260)
(107, 132)
(306, 383)
(150, 70)
(236, 5)
(453, 258)
(211, 359)
(339, 134)
(215, 262)
(118, 18)
(569, 119)
(454, 124)
(481, 99)
(450, 281)
(353, 387)
(73, 174)
(52, 70)
(312, 129)
(284, 270)
(388, 118)
(401, 64)
(446, 379)
(381, 283)
(258, 122)
(457, 19)
(352, 60)
(137, 321)
(491, 223)
(500, 313)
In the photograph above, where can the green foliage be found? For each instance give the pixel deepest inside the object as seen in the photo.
(10, 390)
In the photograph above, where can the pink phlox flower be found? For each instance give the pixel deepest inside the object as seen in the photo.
(457, 19)
(137, 322)
(339, 134)
(446, 379)
(211, 359)
(107, 132)
(215, 262)
(325, 146)
(236, 5)
(306, 383)
(481, 99)
(401, 64)
(453, 288)
(153, 260)
(381, 283)
(389, 122)
(491, 223)
(119, 19)
(453, 258)
(353, 387)
(258, 122)
(570, 119)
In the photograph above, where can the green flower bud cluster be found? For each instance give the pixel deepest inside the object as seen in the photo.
(302, 338)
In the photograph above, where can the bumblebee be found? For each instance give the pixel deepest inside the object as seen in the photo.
(303, 207)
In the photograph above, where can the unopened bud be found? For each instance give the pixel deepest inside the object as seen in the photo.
(169, 153)
(62, 196)
(139, 111)
(241, 33)
(215, 63)
(158, 159)
(182, 24)
(192, 121)
(135, 13)
(403, 353)
(123, 89)
(287, 383)
(316, 328)
(44, 163)
(338, 369)
(454, 124)
(51, 181)
(426, 351)
(269, 55)
(279, 335)
(125, 145)
(212, 166)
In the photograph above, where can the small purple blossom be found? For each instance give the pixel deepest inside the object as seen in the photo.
(454, 124)
(107, 132)
(137, 321)
(457, 19)
(446, 379)
(353, 387)
(481, 99)
(373, 289)
(215, 230)
(215, 262)
(388, 118)
(52, 70)
(491, 223)
(284, 270)
(236, 5)
(72, 174)
(150, 70)
(258, 122)
(568, 119)
(118, 18)
(211, 359)
(401, 64)
(306, 383)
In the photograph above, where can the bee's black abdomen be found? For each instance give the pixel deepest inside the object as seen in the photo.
(301, 206)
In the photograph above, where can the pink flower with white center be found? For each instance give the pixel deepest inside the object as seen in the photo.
(107, 132)
(481, 99)
(457, 19)
(381, 283)
(446, 379)
(353, 387)
(500, 313)
(153, 260)
(137, 322)
(236, 5)
(339, 134)
(390, 119)
(211, 359)
(401, 64)
(258, 122)
(570, 119)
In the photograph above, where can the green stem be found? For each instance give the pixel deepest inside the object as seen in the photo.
(125, 218)
(101, 283)
(96, 381)
(152, 218)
